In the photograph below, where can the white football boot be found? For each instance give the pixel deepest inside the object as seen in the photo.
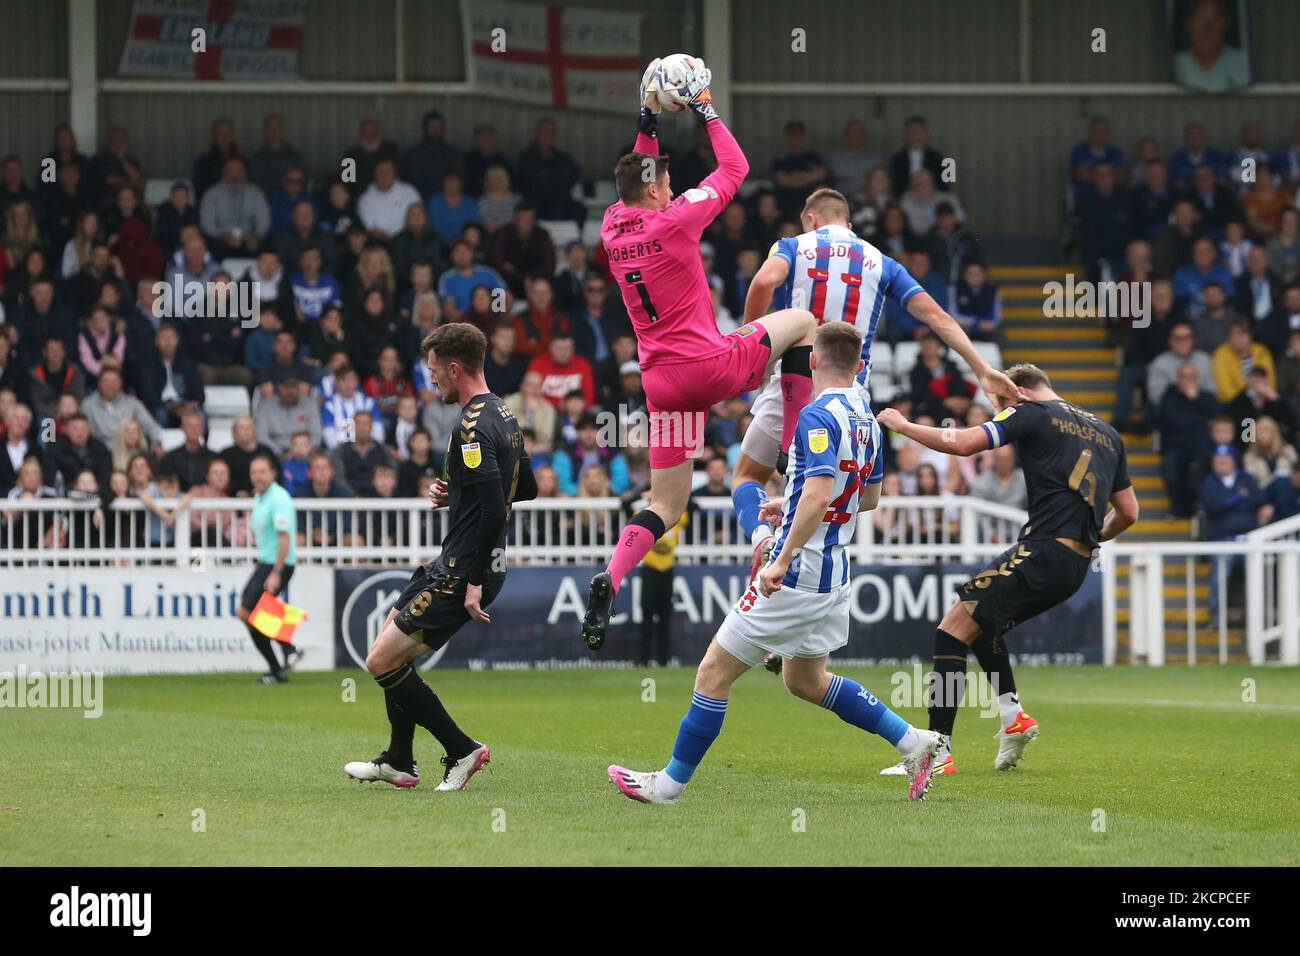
(457, 772)
(380, 769)
(1013, 739)
(943, 762)
(920, 762)
(642, 787)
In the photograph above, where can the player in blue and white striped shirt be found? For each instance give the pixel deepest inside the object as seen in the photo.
(798, 608)
(838, 277)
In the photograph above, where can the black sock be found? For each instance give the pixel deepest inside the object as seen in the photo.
(947, 681)
(992, 654)
(794, 360)
(285, 650)
(402, 734)
(263, 645)
(652, 522)
(421, 704)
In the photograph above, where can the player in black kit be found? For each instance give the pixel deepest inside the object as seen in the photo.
(1075, 469)
(487, 471)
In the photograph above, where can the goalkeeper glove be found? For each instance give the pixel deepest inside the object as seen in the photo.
(649, 99)
(699, 96)
(649, 123)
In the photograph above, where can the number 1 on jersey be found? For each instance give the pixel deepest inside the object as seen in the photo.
(634, 278)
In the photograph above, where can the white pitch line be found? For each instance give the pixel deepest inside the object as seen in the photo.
(1158, 702)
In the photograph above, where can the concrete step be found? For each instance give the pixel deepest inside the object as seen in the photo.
(1098, 400)
(1004, 274)
(1060, 357)
(1087, 336)
(1173, 592)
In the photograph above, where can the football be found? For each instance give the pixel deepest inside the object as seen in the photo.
(670, 81)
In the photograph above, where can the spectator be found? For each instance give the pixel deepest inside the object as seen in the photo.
(977, 304)
(1143, 348)
(1288, 367)
(457, 284)
(481, 159)
(1214, 322)
(367, 153)
(1264, 204)
(130, 442)
(241, 453)
(339, 410)
(273, 160)
(590, 452)
(209, 167)
(1182, 417)
(1106, 223)
(539, 321)
(382, 207)
(79, 449)
(420, 462)
(503, 368)
(108, 406)
(170, 383)
(234, 214)
(1257, 289)
(174, 215)
(374, 271)
(1269, 456)
(1094, 151)
(597, 320)
(62, 203)
(1258, 399)
(355, 460)
(1284, 247)
(284, 360)
(497, 204)
(937, 386)
(1190, 281)
(218, 340)
(522, 249)
(1003, 483)
(546, 175)
(404, 424)
(313, 290)
(921, 202)
(13, 377)
(19, 446)
(210, 527)
(797, 171)
(916, 154)
(1234, 506)
(850, 164)
(295, 464)
(870, 199)
(428, 163)
(1277, 328)
(1153, 201)
(534, 410)
(97, 342)
(1195, 152)
(283, 198)
(1214, 201)
(1283, 494)
(333, 526)
(1249, 151)
(13, 184)
(564, 371)
(305, 230)
(388, 384)
(1235, 358)
(1173, 246)
(950, 245)
(76, 251)
(290, 411)
(417, 244)
(451, 210)
(189, 462)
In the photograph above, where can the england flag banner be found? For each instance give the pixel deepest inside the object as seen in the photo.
(214, 39)
(561, 57)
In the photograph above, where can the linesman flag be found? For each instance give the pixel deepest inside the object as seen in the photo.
(276, 619)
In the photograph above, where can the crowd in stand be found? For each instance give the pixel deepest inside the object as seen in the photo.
(102, 348)
(1215, 232)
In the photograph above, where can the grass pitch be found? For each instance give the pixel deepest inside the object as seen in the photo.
(1184, 772)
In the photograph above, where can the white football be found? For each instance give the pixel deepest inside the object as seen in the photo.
(670, 80)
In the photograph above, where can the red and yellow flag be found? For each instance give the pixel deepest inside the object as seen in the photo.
(276, 619)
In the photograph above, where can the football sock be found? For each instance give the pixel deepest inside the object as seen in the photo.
(855, 705)
(421, 704)
(992, 654)
(263, 645)
(285, 650)
(699, 728)
(747, 498)
(402, 733)
(634, 544)
(796, 389)
(947, 681)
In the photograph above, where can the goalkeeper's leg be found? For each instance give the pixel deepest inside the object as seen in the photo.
(790, 337)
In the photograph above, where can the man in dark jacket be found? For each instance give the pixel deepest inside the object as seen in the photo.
(79, 450)
(546, 175)
(428, 162)
(169, 381)
(1183, 419)
(190, 461)
(1233, 504)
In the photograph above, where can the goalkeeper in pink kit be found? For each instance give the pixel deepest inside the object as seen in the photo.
(653, 241)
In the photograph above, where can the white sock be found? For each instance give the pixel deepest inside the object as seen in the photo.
(908, 742)
(1008, 708)
(764, 530)
(667, 786)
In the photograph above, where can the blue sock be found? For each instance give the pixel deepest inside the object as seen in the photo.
(699, 728)
(747, 498)
(859, 707)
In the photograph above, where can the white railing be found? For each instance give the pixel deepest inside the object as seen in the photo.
(367, 531)
(1271, 609)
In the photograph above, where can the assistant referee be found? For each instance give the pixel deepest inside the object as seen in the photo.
(273, 525)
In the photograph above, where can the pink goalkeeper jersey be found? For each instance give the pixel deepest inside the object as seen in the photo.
(654, 255)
